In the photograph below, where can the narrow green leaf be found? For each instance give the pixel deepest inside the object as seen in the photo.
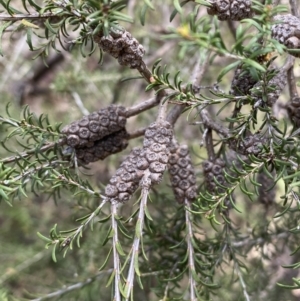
(136, 264)
(148, 2)
(54, 254)
(254, 64)
(227, 69)
(106, 260)
(119, 249)
(138, 228)
(177, 6)
(36, 6)
(111, 278)
(29, 39)
(148, 214)
(44, 238)
(2, 29)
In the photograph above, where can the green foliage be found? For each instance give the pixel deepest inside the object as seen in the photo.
(222, 245)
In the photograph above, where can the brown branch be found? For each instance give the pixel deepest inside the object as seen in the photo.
(175, 112)
(209, 145)
(292, 83)
(20, 17)
(141, 107)
(209, 123)
(294, 8)
(137, 133)
(145, 72)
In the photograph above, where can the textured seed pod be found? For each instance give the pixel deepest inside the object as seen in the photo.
(155, 152)
(286, 31)
(182, 173)
(276, 83)
(126, 180)
(242, 81)
(230, 9)
(267, 190)
(111, 144)
(213, 171)
(234, 161)
(252, 144)
(91, 128)
(293, 108)
(121, 45)
(152, 160)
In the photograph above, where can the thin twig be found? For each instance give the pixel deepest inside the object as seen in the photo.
(200, 72)
(79, 103)
(260, 240)
(88, 220)
(31, 152)
(190, 250)
(22, 266)
(209, 144)
(174, 113)
(162, 109)
(137, 133)
(20, 17)
(145, 72)
(114, 225)
(141, 107)
(209, 123)
(288, 63)
(292, 83)
(241, 279)
(73, 287)
(145, 183)
(294, 8)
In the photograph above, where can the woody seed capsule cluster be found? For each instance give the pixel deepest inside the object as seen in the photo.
(250, 145)
(242, 81)
(111, 144)
(126, 179)
(182, 173)
(266, 195)
(155, 152)
(121, 45)
(153, 157)
(230, 9)
(214, 170)
(287, 32)
(293, 109)
(91, 128)
(277, 83)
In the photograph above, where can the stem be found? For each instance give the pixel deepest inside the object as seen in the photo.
(241, 279)
(294, 8)
(141, 107)
(145, 183)
(162, 110)
(292, 83)
(208, 122)
(191, 253)
(174, 113)
(79, 103)
(73, 287)
(87, 221)
(137, 133)
(22, 266)
(114, 207)
(20, 17)
(210, 145)
(33, 151)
